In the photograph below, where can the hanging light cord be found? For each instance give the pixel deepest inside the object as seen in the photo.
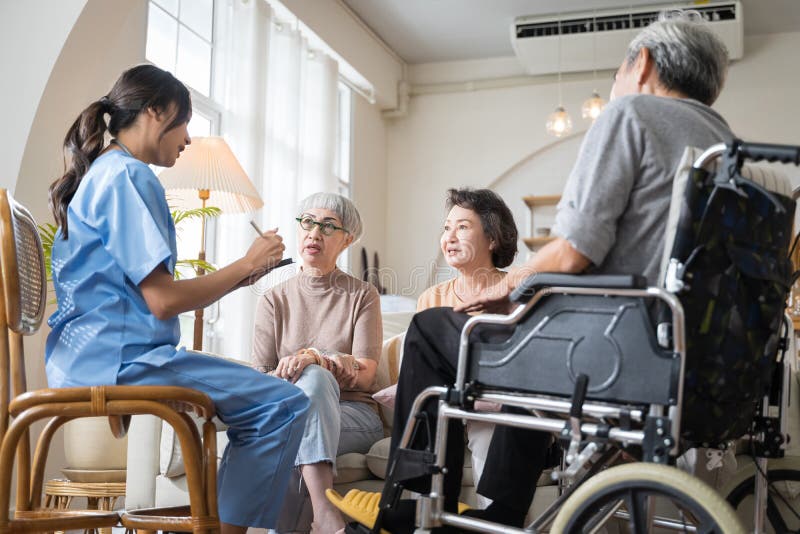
(594, 51)
(560, 102)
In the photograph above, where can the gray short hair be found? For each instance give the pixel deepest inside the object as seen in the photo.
(689, 57)
(343, 207)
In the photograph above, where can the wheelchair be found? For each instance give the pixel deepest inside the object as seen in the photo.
(628, 377)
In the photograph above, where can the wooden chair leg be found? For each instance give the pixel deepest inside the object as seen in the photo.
(40, 457)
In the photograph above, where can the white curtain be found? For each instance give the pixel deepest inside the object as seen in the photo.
(280, 117)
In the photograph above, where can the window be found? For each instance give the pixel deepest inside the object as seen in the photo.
(180, 40)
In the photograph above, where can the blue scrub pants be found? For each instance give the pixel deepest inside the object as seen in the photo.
(265, 417)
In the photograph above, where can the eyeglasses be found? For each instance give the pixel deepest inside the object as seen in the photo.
(326, 227)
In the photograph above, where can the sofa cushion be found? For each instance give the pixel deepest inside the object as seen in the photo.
(378, 458)
(351, 467)
(386, 375)
(395, 323)
(170, 457)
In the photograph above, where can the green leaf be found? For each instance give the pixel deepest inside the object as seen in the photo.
(193, 265)
(179, 215)
(47, 233)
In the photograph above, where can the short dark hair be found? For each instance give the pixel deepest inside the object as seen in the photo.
(496, 219)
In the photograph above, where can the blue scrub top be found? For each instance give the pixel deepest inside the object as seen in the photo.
(120, 230)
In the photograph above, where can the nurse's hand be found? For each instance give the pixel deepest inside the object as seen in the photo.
(263, 254)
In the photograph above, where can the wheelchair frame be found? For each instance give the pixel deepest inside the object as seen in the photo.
(430, 508)
(659, 435)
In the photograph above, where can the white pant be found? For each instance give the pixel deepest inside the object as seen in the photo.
(333, 427)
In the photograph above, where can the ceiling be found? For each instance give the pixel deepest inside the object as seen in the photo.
(424, 31)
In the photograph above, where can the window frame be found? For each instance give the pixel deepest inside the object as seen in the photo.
(180, 23)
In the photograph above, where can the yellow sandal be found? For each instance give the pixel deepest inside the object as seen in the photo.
(362, 506)
(359, 505)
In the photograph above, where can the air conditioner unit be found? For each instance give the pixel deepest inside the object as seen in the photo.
(589, 40)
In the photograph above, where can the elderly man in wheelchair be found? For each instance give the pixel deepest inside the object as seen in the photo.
(619, 367)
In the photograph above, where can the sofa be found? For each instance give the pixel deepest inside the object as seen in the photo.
(155, 475)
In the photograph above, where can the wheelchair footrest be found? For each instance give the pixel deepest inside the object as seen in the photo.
(409, 464)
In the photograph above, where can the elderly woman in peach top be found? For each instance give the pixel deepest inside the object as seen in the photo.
(321, 330)
(479, 238)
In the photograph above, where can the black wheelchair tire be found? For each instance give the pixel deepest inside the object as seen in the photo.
(775, 519)
(638, 480)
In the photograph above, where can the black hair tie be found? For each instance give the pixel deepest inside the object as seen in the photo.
(107, 105)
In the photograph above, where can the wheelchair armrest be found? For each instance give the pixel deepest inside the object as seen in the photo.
(534, 283)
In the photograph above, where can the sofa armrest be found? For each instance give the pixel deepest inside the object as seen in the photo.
(144, 436)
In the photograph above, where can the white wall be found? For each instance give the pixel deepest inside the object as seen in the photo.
(31, 41)
(107, 38)
(369, 179)
(457, 139)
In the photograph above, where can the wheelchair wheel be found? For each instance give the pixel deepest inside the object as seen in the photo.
(783, 499)
(641, 498)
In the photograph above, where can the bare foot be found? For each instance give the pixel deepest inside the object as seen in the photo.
(329, 522)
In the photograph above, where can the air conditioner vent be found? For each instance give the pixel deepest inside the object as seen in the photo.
(535, 39)
(615, 22)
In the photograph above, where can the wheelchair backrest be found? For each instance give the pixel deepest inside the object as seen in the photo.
(726, 256)
(770, 178)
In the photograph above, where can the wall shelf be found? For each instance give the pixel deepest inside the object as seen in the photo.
(535, 243)
(535, 202)
(541, 200)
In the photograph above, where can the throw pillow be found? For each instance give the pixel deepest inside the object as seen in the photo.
(385, 397)
(378, 457)
(378, 460)
(351, 467)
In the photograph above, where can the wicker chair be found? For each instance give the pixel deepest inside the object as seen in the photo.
(23, 288)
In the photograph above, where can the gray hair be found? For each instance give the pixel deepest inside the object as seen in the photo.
(689, 57)
(343, 207)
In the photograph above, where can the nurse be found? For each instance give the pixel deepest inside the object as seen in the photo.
(118, 302)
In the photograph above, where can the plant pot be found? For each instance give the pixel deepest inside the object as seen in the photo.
(92, 451)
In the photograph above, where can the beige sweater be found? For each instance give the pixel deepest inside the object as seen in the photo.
(334, 312)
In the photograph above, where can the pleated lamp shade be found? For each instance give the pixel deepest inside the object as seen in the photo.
(209, 164)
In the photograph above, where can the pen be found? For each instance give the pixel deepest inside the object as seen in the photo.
(254, 225)
(285, 261)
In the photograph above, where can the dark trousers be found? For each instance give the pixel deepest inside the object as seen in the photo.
(516, 456)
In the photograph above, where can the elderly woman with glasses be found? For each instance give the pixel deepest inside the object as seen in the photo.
(321, 330)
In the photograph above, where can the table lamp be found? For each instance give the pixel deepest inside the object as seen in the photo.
(207, 171)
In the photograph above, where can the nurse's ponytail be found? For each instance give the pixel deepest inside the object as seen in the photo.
(140, 88)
